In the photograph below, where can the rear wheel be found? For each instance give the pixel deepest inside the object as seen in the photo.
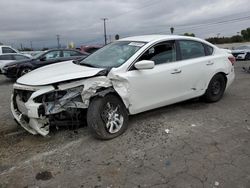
(107, 117)
(216, 88)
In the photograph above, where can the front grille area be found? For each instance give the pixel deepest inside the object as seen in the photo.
(24, 95)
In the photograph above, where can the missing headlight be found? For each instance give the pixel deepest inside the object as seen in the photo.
(59, 94)
(51, 96)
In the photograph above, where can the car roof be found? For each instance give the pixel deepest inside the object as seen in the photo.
(151, 38)
(13, 54)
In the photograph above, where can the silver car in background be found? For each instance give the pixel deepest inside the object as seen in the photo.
(242, 52)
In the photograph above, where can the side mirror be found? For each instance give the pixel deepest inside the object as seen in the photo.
(144, 64)
(43, 58)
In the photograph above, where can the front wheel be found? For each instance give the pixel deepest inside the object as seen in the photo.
(215, 88)
(107, 117)
(24, 71)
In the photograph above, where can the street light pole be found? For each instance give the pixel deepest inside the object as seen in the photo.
(58, 41)
(105, 32)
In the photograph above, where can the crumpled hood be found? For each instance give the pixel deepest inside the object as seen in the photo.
(58, 72)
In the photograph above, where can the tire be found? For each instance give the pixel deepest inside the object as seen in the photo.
(247, 57)
(107, 117)
(216, 88)
(24, 71)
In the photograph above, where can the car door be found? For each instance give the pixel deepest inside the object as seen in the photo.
(155, 87)
(71, 54)
(195, 68)
(51, 57)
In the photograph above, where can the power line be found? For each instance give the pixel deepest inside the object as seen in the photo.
(204, 22)
(200, 26)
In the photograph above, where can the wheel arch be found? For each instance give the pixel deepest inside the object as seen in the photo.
(216, 73)
(103, 91)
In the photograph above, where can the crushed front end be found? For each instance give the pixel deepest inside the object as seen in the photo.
(37, 108)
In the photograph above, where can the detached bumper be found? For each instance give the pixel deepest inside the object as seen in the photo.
(26, 114)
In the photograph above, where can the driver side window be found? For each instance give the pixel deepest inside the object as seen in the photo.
(52, 55)
(161, 53)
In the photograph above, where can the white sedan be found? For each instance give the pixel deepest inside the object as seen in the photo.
(129, 76)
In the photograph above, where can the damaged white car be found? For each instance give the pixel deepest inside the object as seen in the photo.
(129, 76)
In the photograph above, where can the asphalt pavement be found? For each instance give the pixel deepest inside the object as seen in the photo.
(189, 144)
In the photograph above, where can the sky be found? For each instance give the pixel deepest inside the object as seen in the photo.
(79, 21)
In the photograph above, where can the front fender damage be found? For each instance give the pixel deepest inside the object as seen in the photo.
(69, 107)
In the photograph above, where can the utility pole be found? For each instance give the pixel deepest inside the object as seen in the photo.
(172, 30)
(105, 32)
(58, 41)
(31, 46)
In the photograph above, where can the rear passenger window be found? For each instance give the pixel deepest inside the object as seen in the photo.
(7, 50)
(161, 53)
(70, 53)
(209, 50)
(191, 49)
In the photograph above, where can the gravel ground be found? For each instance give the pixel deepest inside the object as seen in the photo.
(208, 145)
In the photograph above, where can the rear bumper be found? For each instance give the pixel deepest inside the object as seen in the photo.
(230, 77)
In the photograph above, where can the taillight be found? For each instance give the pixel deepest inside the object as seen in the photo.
(232, 59)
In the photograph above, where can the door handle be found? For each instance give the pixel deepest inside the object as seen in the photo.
(210, 63)
(176, 71)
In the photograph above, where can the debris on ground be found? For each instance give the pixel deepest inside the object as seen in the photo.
(168, 163)
(167, 131)
(216, 183)
(246, 69)
(193, 125)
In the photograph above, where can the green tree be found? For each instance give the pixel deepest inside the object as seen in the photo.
(246, 34)
(237, 38)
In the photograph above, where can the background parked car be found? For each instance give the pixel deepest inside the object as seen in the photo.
(31, 53)
(242, 52)
(7, 49)
(8, 58)
(19, 68)
(89, 49)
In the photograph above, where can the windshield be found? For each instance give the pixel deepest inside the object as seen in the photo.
(113, 55)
